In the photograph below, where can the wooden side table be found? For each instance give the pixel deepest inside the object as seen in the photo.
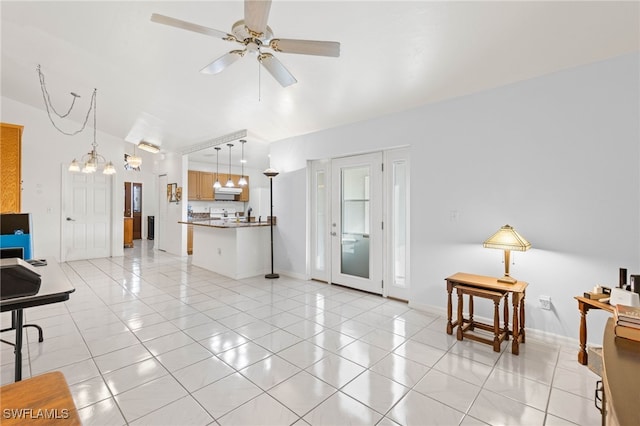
(467, 325)
(584, 305)
(491, 284)
(40, 400)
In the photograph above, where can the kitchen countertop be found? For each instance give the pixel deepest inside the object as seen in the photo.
(219, 223)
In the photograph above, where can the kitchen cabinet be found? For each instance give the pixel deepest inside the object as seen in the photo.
(200, 185)
(10, 158)
(193, 177)
(244, 195)
(189, 239)
(128, 232)
(206, 186)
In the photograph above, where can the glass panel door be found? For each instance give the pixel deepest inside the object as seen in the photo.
(357, 222)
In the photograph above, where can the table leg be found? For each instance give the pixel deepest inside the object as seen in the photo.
(582, 353)
(471, 312)
(506, 316)
(460, 319)
(449, 309)
(522, 303)
(17, 319)
(496, 325)
(515, 345)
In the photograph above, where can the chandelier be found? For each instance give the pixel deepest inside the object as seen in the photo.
(134, 160)
(92, 161)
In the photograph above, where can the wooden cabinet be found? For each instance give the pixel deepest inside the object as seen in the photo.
(244, 196)
(193, 184)
(200, 185)
(222, 177)
(11, 175)
(189, 239)
(128, 232)
(206, 186)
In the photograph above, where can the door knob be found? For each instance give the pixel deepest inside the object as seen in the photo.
(69, 219)
(334, 234)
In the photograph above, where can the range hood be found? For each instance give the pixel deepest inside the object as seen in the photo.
(225, 190)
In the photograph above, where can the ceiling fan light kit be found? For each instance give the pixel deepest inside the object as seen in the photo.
(254, 34)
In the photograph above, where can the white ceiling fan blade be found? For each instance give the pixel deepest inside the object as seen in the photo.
(256, 14)
(277, 70)
(222, 62)
(189, 26)
(306, 47)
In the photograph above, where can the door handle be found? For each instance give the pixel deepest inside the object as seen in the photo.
(71, 220)
(334, 234)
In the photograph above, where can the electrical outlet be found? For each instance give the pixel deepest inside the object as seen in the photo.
(545, 302)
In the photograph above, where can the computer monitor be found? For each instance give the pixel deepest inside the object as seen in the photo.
(10, 252)
(15, 233)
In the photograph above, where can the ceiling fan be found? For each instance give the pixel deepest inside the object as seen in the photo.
(255, 35)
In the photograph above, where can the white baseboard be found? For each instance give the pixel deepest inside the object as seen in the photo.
(295, 275)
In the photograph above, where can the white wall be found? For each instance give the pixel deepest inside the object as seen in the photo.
(44, 150)
(556, 157)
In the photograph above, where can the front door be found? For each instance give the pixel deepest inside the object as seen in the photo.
(86, 215)
(356, 225)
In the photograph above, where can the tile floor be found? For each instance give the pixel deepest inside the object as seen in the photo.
(149, 339)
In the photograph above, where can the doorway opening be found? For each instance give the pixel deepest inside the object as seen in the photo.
(133, 206)
(359, 222)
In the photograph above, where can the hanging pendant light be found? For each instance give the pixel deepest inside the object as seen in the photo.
(133, 160)
(229, 181)
(216, 184)
(242, 181)
(92, 160)
(74, 166)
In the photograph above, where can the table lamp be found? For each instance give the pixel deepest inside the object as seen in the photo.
(507, 239)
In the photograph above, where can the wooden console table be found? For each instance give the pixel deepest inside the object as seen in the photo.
(584, 305)
(41, 400)
(491, 284)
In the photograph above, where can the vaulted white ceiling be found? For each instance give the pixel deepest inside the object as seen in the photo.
(394, 56)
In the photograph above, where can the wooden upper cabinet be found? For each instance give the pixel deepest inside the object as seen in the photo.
(11, 169)
(194, 185)
(201, 185)
(244, 196)
(206, 186)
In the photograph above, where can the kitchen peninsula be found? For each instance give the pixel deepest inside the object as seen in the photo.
(233, 249)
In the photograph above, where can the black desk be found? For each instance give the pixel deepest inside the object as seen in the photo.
(55, 287)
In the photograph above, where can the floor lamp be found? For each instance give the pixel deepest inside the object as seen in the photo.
(271, 173)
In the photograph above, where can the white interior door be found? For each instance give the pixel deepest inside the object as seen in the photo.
(397, 198)
(162, 213)
(356, 225)
(320, 220)
(86, 216)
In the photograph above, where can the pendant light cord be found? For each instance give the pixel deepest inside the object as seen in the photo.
(49, 106)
